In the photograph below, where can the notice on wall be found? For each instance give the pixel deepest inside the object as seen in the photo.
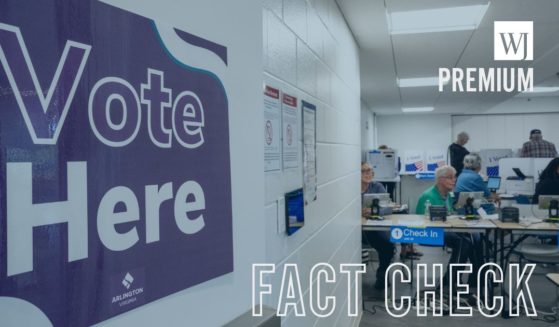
(272, 129)
(290, 123)
(109, 162)
(309, 152)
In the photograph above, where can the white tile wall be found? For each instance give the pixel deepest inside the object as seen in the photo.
(508, 131)
(295, 17)
(367, 131)
(306, 68)
(413, 132)
(275, 6)
(281, 50)
(311, 53)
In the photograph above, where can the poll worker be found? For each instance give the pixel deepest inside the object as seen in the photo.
(380, 241)
(457, 152)
(537, 147)
(549, 180)
(548, 184)
(470, 181)
(440, 194)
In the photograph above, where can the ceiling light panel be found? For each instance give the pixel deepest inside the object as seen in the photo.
(436, 20)
(418, 82)
(418, 109)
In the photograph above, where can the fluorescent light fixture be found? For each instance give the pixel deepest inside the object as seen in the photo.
(436, 20)
(542, 89)
(419, 81)
(418, 109)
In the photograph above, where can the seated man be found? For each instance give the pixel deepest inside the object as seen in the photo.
(439, 194)
(380, 241)
(471, 181)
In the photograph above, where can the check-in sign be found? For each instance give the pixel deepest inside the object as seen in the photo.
(425, 236)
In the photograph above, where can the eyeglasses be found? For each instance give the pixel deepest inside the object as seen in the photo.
(365, 171)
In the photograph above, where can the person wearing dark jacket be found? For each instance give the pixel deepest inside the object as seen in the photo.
(457, 152)
(549, 180)
(548, 184)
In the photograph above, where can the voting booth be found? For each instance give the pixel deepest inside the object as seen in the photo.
(490, 160)
(384, 163)
(520, 175)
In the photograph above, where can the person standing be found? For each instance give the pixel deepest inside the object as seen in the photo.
(457, 152)
(537, 147)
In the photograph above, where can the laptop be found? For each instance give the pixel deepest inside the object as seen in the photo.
(519, 173)
(493, 183)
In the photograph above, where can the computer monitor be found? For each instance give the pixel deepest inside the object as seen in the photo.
(294, 211)
(493, 183)
(464, 196)
(543, 201)
(384, 198)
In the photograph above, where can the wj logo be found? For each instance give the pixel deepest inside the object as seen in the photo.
(127, 281)
(513, 40)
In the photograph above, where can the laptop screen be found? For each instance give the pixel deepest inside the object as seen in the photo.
(493, 183)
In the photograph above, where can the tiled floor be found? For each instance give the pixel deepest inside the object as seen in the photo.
(543, 293)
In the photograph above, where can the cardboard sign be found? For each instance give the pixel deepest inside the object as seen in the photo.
(115, 169)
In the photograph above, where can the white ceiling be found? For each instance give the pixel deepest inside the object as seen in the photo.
(385, 57)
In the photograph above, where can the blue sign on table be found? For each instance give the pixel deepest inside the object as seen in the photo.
(418, 235)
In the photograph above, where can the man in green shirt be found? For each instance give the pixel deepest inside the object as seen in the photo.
(439, 194)
(435, 197)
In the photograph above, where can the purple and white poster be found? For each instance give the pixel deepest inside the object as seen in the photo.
(115, 185)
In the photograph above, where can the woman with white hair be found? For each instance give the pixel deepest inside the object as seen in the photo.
(470, 180)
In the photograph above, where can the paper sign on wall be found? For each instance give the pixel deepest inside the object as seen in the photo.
(272, 129)
(309, 152)
(290, 137)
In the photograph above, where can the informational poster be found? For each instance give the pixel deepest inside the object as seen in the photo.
(114, 162)
(413, 161)
(272, 129)
(309, 152)
(290, 125)
(435, 159)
